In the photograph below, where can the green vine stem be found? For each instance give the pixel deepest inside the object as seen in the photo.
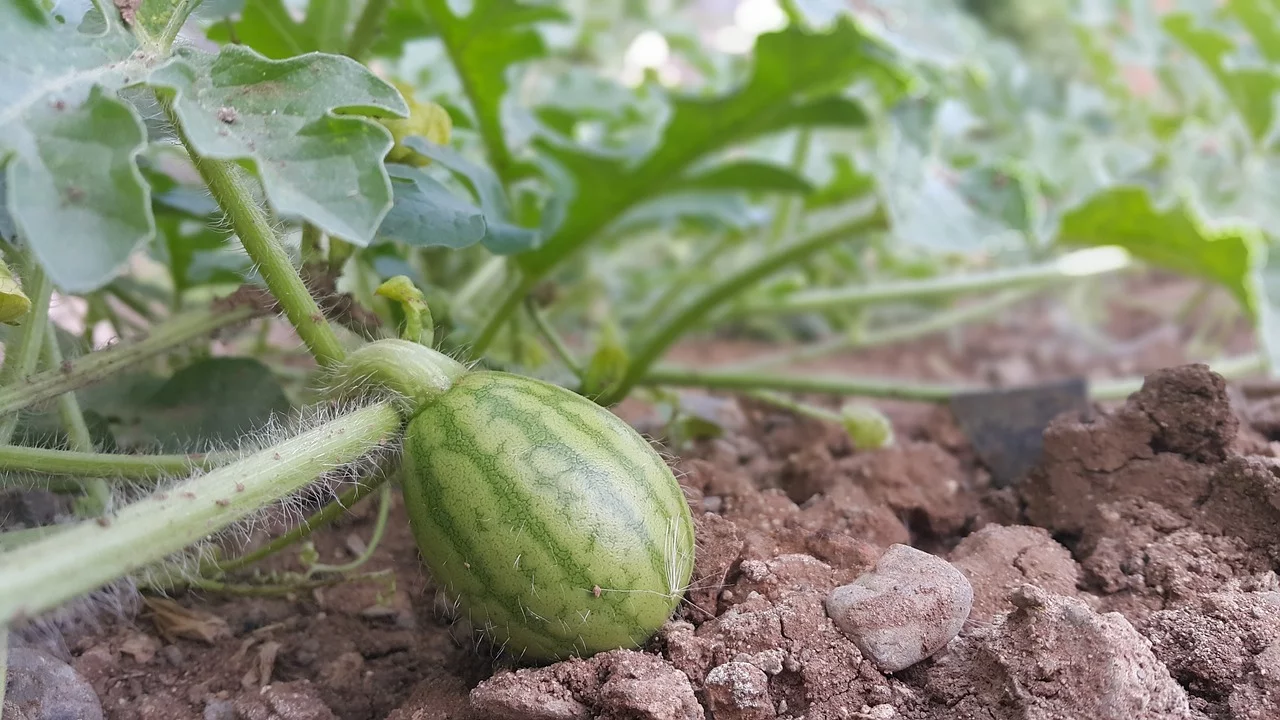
(750, 382)
(88, 555)
(43, 461)
(4, 662)
(784, 210)
(711, 298)
(229, 188)
(367, 28)
(816, 384)
(500, 316)
(859, 340)
(379, 528)
(319, 519)
(1068, 268)
(97, 493)
(1231, 368)
(681, 282)
(102, 364)
(553, 339)
(21, 356)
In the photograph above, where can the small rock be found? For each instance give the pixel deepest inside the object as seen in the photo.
(174, 655)
(140, 647)
(285, 701)
(217, 709)
(41, 687)
(906, 609)
(739, 691)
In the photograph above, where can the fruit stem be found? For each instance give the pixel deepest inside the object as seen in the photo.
(90, 554)
(719, 293)
(415, 373)
(21, 356)
(102, 364)
(229, 188)
(1068, 268)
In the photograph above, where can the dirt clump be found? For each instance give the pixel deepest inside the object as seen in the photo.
(1155, 504)
(615, 685)
(998, 558)
(1052, 657)
(1223, 648)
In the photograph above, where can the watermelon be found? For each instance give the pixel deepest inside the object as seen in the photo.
(553, 524)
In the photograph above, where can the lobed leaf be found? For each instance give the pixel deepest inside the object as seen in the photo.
(1250, 89)
(797, 79)
(280, 119)
(1175, 238)
(72, 191)
(427, 214)
(482, 46)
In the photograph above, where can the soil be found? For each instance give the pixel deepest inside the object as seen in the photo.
(1131, 575)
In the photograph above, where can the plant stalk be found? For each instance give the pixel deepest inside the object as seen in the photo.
(42, 461)
(21, 356)
(102, 364)
(548, 333)
(78, 438)
(319, 519)
(1070, 267)
(228, 186)
(88, 555)
(860, 340)
(816, 384)
(367, 28)
(710, 299)
(500, 316)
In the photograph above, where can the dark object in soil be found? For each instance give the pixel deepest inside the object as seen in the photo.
(1006, 427)
(42, 687)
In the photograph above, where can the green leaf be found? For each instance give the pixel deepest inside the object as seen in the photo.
(482, 46)
(1251, 90)
(747, 175)
(279, 118)
(73, 191)
(1262, 20)
(152, 18)
(268, 27)
(847, 183)
(215, 401)
(502, 234)
(1174, 238)
(427, 214)
(797, 79)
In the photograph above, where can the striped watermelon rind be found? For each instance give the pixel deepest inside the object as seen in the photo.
(555, 526)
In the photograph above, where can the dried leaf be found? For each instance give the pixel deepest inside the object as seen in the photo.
(175, 621)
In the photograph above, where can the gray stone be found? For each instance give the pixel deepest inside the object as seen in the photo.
(42, 687)
(739, 691)
(906, 609)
